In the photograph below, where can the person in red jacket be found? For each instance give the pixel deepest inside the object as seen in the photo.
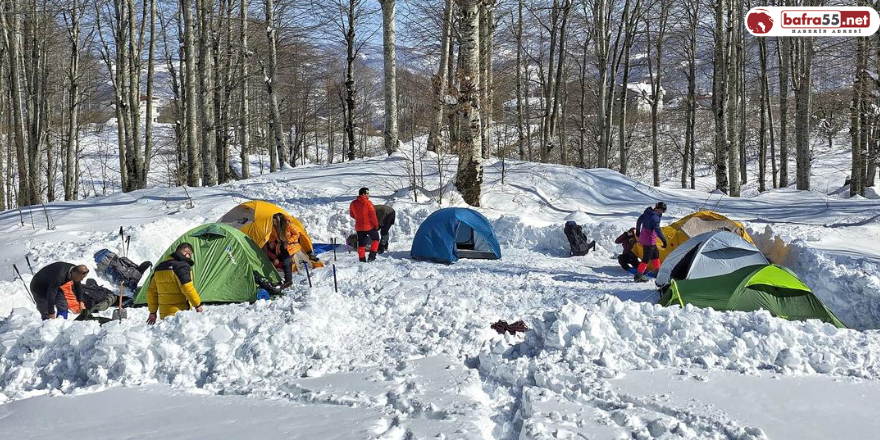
(365, 224)
(628, 259)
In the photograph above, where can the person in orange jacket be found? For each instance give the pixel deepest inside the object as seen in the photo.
(366, 224)
(287, 248)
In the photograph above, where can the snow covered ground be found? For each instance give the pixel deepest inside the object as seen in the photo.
(404, 349)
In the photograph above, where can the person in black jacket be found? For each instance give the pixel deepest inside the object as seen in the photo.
(47, 285)
(386, 216)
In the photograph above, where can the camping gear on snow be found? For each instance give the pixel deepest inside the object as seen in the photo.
(452, 233)
(225, 262)
(768, 287)
(692, 225)
(120, 269)
(99, 298)
(254, 218)
(577, 240)
(503, 326)
(708, 255)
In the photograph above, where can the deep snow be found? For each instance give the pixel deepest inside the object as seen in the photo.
(406, 344)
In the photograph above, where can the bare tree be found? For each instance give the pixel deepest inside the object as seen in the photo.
(470, 166)
(801, 80)
(245, 140)
(438, 82)
(390, 63)
(719, 96)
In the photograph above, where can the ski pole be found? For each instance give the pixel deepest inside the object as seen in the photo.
(127, 245)
(26, 288)
(335, 285)
(334, 248)
(122, 240)
(29, 264)
(308, 274)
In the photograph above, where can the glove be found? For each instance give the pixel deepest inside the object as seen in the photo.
(664, 244)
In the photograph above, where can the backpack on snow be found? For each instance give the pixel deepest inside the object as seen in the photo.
(99, 298)
(580, 244)
(120, 269)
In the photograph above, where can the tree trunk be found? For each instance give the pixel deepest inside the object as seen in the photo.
(70, 170)
(733, 95)
(438, 82)
(520, 133)
(601, 42)
(12, 42)
(783, 53)
(856, 182)
(148, 123)
(719, 97)
(470, 166)
(275, 123)
(389, 53)
(693, 12)
(762, 136)
(206, 101)
(349, 78)
(802, 82)
(656, 81)
(245, 140)
(193, 153)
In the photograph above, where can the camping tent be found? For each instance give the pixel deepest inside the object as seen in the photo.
(708, 255)
(769, 287)
(254, 218)
(452, 233)
(693, 225)
(225, 262)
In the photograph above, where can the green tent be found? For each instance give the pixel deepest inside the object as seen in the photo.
(769, 287)
(226, 260)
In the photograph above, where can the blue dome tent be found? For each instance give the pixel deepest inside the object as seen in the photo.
(452, 233)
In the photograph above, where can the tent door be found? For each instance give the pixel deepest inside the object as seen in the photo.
(464, 237)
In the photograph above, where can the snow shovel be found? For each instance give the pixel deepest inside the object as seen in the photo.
(120, 313)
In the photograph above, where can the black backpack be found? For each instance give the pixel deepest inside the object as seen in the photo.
(580, 244)
(98, 298)
(120, 269)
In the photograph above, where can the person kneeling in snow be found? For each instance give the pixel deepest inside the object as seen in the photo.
(628, 259)
(171, 289)
(284, 244)
(365, 223)
(57, 288)
(648, 230)
(386, 216)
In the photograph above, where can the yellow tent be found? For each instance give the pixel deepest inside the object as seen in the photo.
(254, 218)
(693, 225)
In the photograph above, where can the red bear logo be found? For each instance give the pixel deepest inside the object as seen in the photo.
(759, 21)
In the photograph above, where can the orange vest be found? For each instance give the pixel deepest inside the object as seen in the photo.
(72, 303)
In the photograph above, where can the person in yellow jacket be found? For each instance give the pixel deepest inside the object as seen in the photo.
(171, 289)
(284, 241)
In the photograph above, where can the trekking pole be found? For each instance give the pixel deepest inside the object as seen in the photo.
(29, 264)
(308, 274)
(335, 285)
(334, 248)
(127, 245)
(121, 239)
(28, 290)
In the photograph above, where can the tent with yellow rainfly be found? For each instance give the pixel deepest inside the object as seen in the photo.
(254, 218)
(692, 225)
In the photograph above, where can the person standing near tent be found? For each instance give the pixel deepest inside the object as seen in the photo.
(288, 249)
(366, 224)
(52, 285)
(648, 230)
(628, 260)
(171, 288)
(386, 215)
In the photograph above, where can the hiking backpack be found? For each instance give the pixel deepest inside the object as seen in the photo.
(120, 269)
(578, 241)
(97, 297)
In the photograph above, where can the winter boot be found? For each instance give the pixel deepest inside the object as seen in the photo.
(285, 285)
(372, 257)
(363, 259)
